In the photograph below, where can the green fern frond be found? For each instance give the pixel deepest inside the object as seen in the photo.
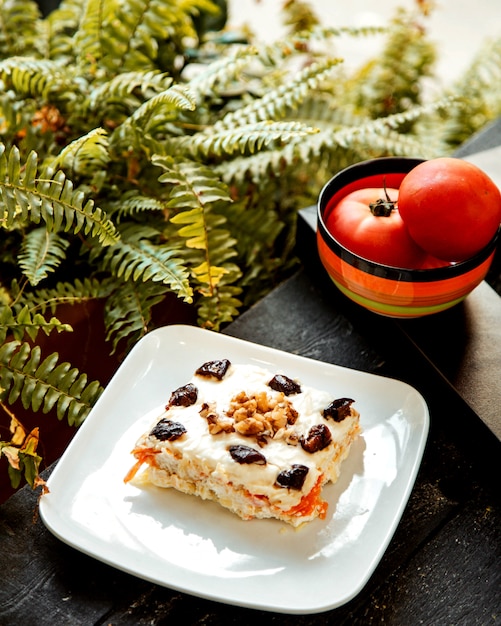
(18, 28)
(33, 77)
(61, 24)
(192, 185)
(87, 41)
(52, 199)
(142, 26)
(407, 57)
(126, 89)
(221, 305)
(247, 139)
(134, 202)
(395, 121)
(153, 116)
(248, 224)
(298, 42)
(220, 73)
(128, 311)
(78, 292)
(380, 136)
(387, 142)
(45, 384)
(194, 193)
(41, 252)
(196, 7)
(137, 258)
(122, 37)
(276, 103)
(479, 89)
(25, 322)
(84, 155)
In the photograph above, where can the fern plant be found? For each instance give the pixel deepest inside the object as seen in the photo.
(143, 154)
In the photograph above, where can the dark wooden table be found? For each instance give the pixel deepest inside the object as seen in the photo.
(443, 565)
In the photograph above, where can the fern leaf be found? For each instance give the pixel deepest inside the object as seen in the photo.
(19, 322)
(136, 258)
(41, 252)
(126, 89)
(221, 72)
(62, 24)
(127, 312)
(191, 184)
(380, 136)
(399, 119)
(84, 155)
(78, 292)
(480, 92)
(132, 203)
(153, 116)
(195, 188)
(19, 18)
(163, 106)
(275, 103)
(123, 37)
(209, 274)
(50, 199)
(245, 140)
(32, 77)
(299, 41)
(45, 384)
(219, 307)
(88, 38)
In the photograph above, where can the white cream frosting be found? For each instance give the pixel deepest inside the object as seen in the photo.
(199, 456)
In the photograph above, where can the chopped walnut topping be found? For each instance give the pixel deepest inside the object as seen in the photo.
(261, 414)
(250, 426)
(217, 424)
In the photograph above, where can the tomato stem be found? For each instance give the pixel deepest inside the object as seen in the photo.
(383, 206)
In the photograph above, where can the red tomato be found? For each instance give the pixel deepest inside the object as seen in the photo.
(380, 238)
(451, 208)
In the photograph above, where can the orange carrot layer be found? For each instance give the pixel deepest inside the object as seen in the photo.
(311, 502)
(142, 456)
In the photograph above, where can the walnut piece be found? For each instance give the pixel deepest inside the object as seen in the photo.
(262, 414)
(216, 423)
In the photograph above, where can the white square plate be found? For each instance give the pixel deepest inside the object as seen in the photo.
(198, 547)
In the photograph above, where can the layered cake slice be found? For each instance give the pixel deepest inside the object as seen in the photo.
(257, 442)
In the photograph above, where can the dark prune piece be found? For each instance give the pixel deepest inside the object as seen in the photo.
(318, 438)
(247, 455)
(184, 396)
(338, 409)
(168, 430)
(293, 478)
(286, 385)
(214, 369)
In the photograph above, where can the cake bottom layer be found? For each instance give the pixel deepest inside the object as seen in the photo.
(193, 477)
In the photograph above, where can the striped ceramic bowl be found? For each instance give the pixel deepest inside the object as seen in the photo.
(383, 289)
